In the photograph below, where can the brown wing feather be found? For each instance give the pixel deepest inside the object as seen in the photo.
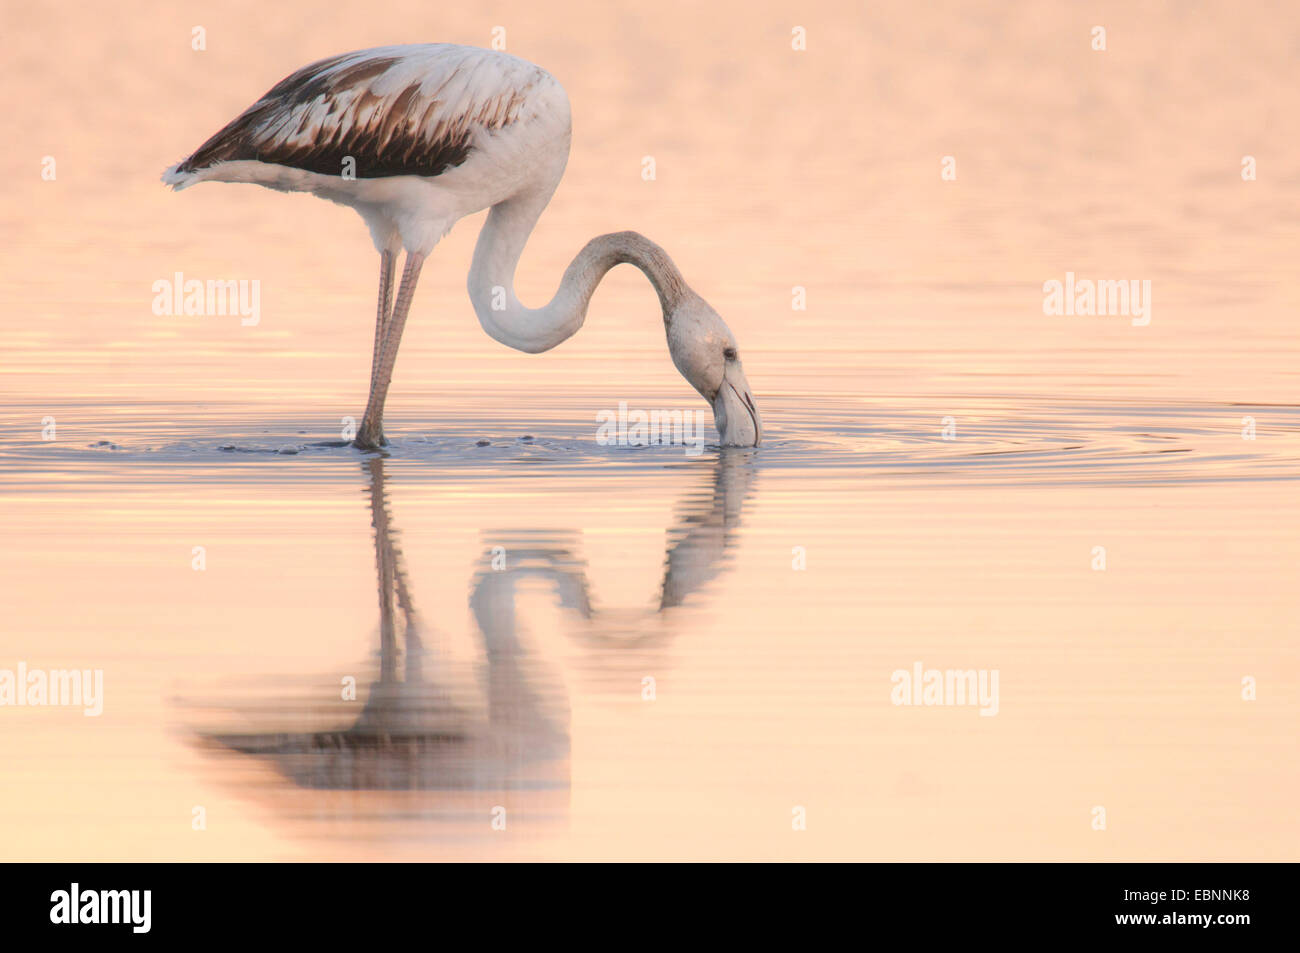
(392, 112)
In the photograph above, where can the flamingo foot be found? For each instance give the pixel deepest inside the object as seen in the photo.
(370, 436)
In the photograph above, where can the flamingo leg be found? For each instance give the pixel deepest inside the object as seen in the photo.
(385, 310)
(383, 317)
(371, 434)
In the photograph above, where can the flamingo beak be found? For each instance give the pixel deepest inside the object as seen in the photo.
(734, 412)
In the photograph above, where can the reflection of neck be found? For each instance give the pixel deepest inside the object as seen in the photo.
(496, 256)
(704, 531)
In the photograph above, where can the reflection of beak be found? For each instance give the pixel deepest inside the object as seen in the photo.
(734, 411)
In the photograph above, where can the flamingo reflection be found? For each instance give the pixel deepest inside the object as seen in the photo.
(425, 724)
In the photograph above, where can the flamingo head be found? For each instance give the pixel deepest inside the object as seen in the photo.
(706, 353)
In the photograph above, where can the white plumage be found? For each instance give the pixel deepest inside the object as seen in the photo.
(407, 118)
(417, 137)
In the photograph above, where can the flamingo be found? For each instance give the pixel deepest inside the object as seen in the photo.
(417, 137)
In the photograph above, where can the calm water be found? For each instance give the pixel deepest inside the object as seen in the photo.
(614, 644)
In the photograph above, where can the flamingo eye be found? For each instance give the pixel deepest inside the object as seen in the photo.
(729, 353)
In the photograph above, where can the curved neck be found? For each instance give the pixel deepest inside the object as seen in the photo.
(496, 256)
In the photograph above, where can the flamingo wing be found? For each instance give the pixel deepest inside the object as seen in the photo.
(402, 110)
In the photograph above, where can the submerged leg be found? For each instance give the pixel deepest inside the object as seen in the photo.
(371, 434)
